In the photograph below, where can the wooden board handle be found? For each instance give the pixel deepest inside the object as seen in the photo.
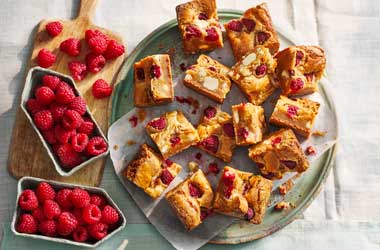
(87, 9)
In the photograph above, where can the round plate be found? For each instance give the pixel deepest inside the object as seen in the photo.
(166, 39)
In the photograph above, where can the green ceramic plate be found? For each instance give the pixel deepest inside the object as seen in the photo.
(166, 38)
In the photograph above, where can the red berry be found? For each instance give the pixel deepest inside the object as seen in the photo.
(78, 70)
(262, 37)
(194, 191)
(101, 89)
(292, 111)
(38, 213)
(192, 31)
(79, 105)
(77, 212)
(63, 198)
(45, 192)
(209, 112)
(249, 24)
(235, 25)
(98, 231)
(213, 168)
(66, 223)
(175, 140)
(249, 214)
(54, 28)
(228, 129)
(71, 120)
(243, 132)
(211, 143)
(87, 126)
(299, 56)
(202, 16)
(51, 209)
(68, 157)
(62, 135)
(45, 58)
(166, 177)
(33, 106)
(51, 81)
(80, 198)
(228, 191)
(43, 120)
(49, 136)
(71, 46)
(64, 94)
(261, 70)
(79, 142)
(228, 177)
(91, 214)
(110, 215)
(212, 35)
(98, 200)
(27, 224)
(95, 63)
(155, 71)
(94, 33)
(310, 150)
(48, 228)
(296, 84)
(133, 120)
(97, 44)
(159, 123)
(28, 200)
(80, 234)
(289, 164)
(276, 140)
(96, 146)
(114, 50)
(168, 163)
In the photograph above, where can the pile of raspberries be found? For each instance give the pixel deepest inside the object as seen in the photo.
(62, 118)
(66, 213)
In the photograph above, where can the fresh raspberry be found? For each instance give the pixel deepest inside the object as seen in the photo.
(45, 58)
(80, 198)
(95, 63)
(243, 132)
(228, 177)
(209, 112)
(38, 213)
(262, 37)
(101, 89)
(68, 157)
(78, 70)
(110, 215)
(299, 56)
(49, 136)
(175, 140)
(63, 198)
(94, 33)
(87, 126)
(96, 146)
(249, 214)
(310, 150)
(33, 106)
(133, 121)
(51, 209)
(79, 142)
(71, 46)
(77, 212)
(55, 148)
(289, 164)
(54, 28)
(98, 200)
(213, 168)
(228, 129)
(212, 35)
(28, 200)
(66, 223)
(79, 105)
(235, 25)
(296, 84)
(249, 24)
(159, 123)
(114, 50)
(211, 143)
(98, 231)
(168, 162)
(57, 110)
(43, 120)
(27, 224)
(51, 81)
(194, 191)
(155, 71)
(97, 44)
(292, 111)
(276, 140)
(48, 228)
(80, 234)
(192, 31)
(71, 120)
(62, 135)
(91, 214)
(45, 192)
(64, 94)
(261, 70)
(166, 177)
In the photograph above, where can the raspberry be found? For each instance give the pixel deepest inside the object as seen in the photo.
(98, 231)
(98, 200)
(80, 198)
(175, 140)
(71, 120)
(50, 81)
(91, 214)
(249, 214)
(296, 84)
(51, 209)
(114, 50)
(228, 177)
(62, 135)
(299, 56)
(212, 68)
(96, 146)
(80, 234)
(209, 112)
(71, 46)
(33, 106)
(212, 35)
(168, 162)
(110, 215)
(93, 33)
(78, 70)
(63, 198)
(79, 105)
(66, 223)
(28, 200)
(192, 31)
(194, 191)
(292, 111)
(310, 150)
(79, 142)
(228, 129)
(45, 58)
(43, 120)
(48, 228)
(45, 192)
(68, 157)
(235, 25)
(228, 191)
(289, 164)
(202, 16)
(95, 63)
(38, 213)
(166, 177)
(54, 28)
(133, 120)
(97, 44)
(87, 126)
(213, 168)
(211, 143)
(276, 141)
(27, 224)
(101, 89)
(155, 71)
(249, 24)
(77, 212)
(262, 37)
(159, 123)
(64, 94)
(57, 111)
(243, 132)
(261, 70)
(49, 136)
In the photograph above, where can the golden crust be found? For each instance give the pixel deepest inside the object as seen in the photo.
(245, 39)
(187, 207)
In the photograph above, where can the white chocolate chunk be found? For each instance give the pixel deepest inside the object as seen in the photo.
(203, 24)
(249, 59)
(211, 83)
(188, 77)
(202, 72)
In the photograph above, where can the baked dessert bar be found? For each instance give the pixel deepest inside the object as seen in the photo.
(153, 81)
(216, 133)
(199, 25)
(209, 77)
(190, 198)
(243, 195)
(300, 68)
(249, 123)
(279, 153)
(150, 172)
(172, 133)
(254, 74)
(254, 28)
(298, 114)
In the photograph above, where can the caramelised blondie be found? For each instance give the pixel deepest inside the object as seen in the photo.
(298, 114)
(243, 195)
(209, 77)
(279, 153)
(150, 172)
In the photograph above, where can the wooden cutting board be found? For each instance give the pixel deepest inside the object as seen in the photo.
(27, 156)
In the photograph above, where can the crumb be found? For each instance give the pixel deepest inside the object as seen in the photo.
(193, 166)
(319, 133)
(310, 150)
(282, 205)
(130, 142)
(219, 57)
(160, 46)
(116, 147)
(133, 121)
(284, 188)
(141, 114)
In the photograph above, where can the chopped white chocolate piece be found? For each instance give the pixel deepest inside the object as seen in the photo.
(211, 83)
(249, 59)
